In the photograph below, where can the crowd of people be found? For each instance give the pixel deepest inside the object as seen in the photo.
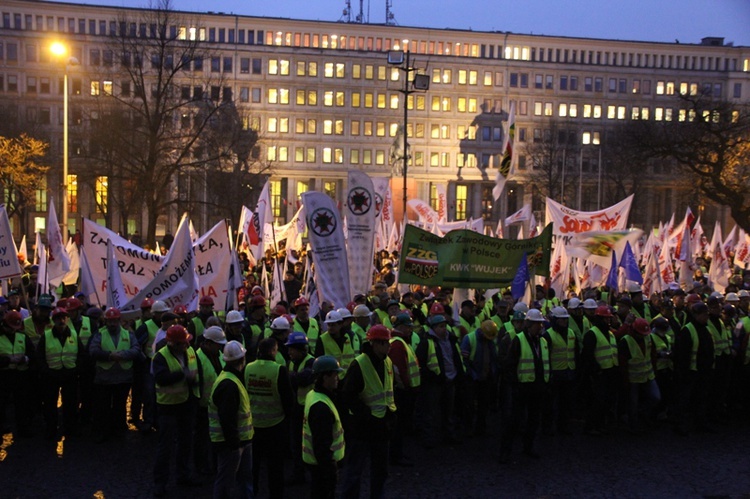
(324, 398)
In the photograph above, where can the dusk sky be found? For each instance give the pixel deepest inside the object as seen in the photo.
(649, 20)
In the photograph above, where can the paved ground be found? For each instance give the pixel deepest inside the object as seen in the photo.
(657, 464)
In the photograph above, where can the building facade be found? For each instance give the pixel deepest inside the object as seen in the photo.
(325, 100)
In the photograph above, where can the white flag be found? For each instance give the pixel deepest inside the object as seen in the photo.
(115, 290)
(40, 258)
(261, 216)
(176, 282)
(720, 272)
(58, 263)
(360, 222)
(329, 250)
(75, 263)
(9, 266)
(88, 287)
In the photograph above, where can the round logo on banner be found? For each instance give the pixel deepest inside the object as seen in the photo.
(378, 204)
(359, 201)
(323, 222)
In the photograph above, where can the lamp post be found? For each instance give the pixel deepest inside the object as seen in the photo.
(419, 83)
(61, 51)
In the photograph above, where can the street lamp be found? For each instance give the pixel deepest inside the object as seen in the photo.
(418, 83)
(60, 51)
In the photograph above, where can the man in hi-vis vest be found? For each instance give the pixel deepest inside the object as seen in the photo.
(527, 368)
(177, 379)
(230, 424)
(322, 432)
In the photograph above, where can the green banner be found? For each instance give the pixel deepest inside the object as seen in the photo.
(467, 259)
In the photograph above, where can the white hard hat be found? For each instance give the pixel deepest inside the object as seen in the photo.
(280, 323)
(744, 293)
(159, 306)
(634, 287)
(534, 315)
(718, 295)
(344, 313)
(215, 334)
(558, 313)
(234, 317)
(234, 351)
(332, 317)
(732, 298)
(574, 303)
(521, 307)
(590, 303)
(362, 311)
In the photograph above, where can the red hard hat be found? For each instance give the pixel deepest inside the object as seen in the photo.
(74, 304)
(62, 303)
(180, 310)
(206, 301)
(693, 298)
(301, 301)
(257, 301)
(147, 303)
(58, 312)
(350, 306)
(437, 309)
(13, 320)
(378, 332)
(279, 310)
(641, 326)
(603, 311)
(178, 334)
(112, 313)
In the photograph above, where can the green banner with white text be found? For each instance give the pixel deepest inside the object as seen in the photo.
(468, 259)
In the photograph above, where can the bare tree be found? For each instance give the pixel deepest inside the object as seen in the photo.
(708, 140)
(551, 158)
(163, 119)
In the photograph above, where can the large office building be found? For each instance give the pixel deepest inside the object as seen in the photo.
(325, 99)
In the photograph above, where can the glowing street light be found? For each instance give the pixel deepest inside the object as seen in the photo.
(60, 51)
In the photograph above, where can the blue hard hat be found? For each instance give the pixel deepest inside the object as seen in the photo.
(296, 338)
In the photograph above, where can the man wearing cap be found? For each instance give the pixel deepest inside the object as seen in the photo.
(39, 322)
(323, 442)
(301, 380)
(680, 312)
(140, 367)
(197, 324)
(467, 319)
(599, 363)
(178, 381)
(406, 382)
(271, 398)
(14, 303)
(82, 326)
(58, 355)
(664, 368)
(113, 348)
(335, 342)
(367, 393)
(500, 310)
(563, 352)
(210, 364)
(386, 307)
(346, 328)
(480, 357)
(637, 359)
(304, 323)
(230, 423)
(361, 323)
(693, 356)
(721, 374)
(666, 312)
(527, 367)
(441, 370)
(16, 362)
